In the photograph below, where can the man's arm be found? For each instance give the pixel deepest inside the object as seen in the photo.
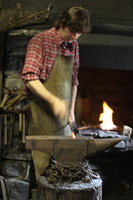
(72, 105)
(58, 105)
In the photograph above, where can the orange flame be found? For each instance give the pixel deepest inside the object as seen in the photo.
(73, 135)
(106, 118)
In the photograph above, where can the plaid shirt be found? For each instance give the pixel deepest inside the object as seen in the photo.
(41, 54)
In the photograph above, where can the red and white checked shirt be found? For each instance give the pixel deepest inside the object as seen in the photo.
(41, 54)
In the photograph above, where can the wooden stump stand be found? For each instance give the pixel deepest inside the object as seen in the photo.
(68, 191)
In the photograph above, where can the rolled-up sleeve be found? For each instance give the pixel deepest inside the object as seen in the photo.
(33, 60)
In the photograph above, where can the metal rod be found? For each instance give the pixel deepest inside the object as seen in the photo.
(23, 128)
(5, 129)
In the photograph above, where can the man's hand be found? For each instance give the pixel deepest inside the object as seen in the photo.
(59, 107)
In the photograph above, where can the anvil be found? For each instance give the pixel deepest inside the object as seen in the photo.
(67, 150)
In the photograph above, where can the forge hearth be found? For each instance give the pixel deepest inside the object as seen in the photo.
(111, 85)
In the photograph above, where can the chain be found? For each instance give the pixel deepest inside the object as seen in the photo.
(56, 173)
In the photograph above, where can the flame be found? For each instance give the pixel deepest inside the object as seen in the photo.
(73, 135)
(106, 118)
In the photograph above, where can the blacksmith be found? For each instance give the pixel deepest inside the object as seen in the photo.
(42, 52)
(50, 73)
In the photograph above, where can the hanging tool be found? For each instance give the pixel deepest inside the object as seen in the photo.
(47, 16)
(20, 21)
(23, 127)
(4, 100)
(13, 100)
(5, 128)
(20, 122)
(11, 128)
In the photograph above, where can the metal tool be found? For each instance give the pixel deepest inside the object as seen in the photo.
(23, 127)
(47, 16)
(20, 122)
(5, 128)
(73, 127)
(25, 19)
(4, 100)
(11, 128)
(13, 100)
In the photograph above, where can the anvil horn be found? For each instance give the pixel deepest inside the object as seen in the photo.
(96, 146)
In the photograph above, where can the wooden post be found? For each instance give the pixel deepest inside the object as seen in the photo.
(68, 191)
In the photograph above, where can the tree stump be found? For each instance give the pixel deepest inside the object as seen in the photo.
(68, 191)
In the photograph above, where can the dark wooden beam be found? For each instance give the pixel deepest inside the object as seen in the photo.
(2, 36)
(1, 62)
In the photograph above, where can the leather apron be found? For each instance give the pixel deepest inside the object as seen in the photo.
(42, 121)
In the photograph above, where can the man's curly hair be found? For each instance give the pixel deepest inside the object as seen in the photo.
(77, 19)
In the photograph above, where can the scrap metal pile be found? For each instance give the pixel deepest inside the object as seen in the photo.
(99, 133)
(56, 173)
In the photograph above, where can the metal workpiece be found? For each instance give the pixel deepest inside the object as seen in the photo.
(69, 151)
